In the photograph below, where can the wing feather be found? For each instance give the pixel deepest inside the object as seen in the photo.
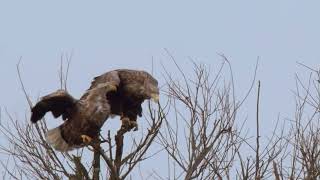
(59, 103)
(109, 78)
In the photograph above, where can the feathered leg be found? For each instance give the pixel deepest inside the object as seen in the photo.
(86, 139)
(128, 124)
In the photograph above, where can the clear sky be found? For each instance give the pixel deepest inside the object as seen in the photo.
(104, 35)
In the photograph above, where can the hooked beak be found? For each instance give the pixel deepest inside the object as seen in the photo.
(155, 97)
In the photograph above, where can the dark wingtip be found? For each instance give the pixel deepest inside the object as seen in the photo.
(34, 117)
(36, 113)
(33, 120)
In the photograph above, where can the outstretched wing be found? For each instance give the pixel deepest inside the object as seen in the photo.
(59, 103)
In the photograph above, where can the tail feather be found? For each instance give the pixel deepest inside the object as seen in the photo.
(55, 139)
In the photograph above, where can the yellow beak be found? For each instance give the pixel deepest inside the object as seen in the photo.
(155, 97)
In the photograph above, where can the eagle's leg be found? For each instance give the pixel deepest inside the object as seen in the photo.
(128, 124)
(125, 123)
(133, 124)
(86, 139)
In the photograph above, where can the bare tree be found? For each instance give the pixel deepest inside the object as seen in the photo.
(303, 157)
(259, 164)
(198, 129)
(200, 137)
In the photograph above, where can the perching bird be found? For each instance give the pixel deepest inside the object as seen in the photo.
(118, 92)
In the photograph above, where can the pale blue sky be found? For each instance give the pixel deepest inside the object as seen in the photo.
(104, 35)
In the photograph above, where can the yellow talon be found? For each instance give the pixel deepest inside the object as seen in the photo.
(86, 139)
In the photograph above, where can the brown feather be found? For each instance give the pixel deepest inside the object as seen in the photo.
(59, 103)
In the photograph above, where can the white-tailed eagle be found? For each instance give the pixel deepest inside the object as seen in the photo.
(119, 92)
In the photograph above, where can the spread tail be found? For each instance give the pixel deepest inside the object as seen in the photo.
(55, 139)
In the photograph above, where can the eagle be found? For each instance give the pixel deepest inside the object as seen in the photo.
(116, 93)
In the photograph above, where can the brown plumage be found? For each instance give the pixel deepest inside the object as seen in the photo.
(119, 92)
(83, 118)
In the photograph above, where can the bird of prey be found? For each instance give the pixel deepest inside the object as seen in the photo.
(119, 92)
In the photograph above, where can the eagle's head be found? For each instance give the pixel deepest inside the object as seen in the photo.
(151, 89)
(139, 85)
